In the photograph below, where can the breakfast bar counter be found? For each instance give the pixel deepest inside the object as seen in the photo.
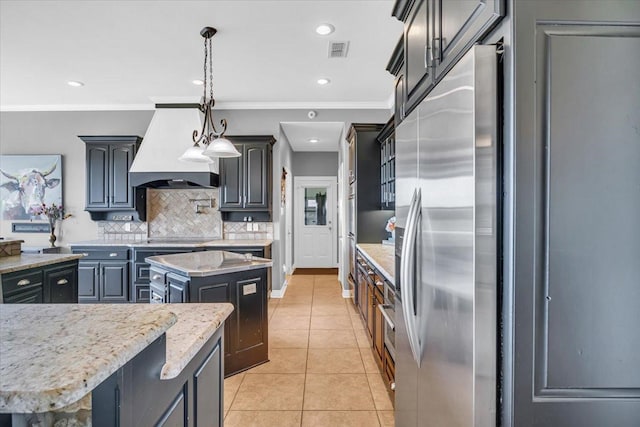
(72, 357)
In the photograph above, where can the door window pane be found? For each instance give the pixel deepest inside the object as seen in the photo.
(315, 206)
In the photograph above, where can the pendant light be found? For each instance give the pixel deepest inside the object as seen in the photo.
(209, 142)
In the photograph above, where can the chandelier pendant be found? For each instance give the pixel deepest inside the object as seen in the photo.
(209, 142)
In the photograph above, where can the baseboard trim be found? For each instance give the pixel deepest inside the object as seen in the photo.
(279, 293)
(346, 293)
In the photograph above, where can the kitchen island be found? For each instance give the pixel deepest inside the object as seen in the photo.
(220, 276)
(108, 365)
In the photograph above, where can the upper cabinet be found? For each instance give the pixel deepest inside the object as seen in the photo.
(436, 34)
(396, 67)
(108, 159)
(246, 181)
(387, 141)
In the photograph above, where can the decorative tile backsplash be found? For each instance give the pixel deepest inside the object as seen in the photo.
(118, 230)
(248, 230)
(184, 213)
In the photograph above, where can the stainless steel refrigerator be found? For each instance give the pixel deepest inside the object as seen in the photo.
(446, 208)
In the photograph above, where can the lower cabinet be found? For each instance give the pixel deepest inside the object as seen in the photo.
(103, 274)
(106, 281)
(62, 281)
(136, 396)
(370, 296)
(246, 329)
(53, 283)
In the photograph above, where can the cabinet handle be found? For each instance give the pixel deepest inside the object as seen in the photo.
(62, 282)
(426, 56)
(393, 385)
(156, 277)
(112, 254)
(24, 282)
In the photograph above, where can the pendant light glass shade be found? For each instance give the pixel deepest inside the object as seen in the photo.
(195, 154)
(221, 147)
(210, 137)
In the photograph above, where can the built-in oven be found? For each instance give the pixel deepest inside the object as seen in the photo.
(388, 312)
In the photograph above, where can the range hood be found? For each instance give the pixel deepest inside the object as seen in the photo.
(156, 164)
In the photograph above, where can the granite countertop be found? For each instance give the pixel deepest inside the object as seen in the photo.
(196, 324)
(69, 349)
(208, 263)
(383, 257)
(186, 243)
(25, 261)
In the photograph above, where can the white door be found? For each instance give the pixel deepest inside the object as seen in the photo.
(315, 234)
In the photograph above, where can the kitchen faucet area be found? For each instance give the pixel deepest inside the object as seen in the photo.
(314, 213)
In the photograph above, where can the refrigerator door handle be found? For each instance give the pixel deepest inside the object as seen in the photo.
(408, 261)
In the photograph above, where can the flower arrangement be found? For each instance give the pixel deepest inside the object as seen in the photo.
(53, 214)
(391, 224)
(391, 227)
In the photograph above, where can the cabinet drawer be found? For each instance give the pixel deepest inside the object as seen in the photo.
(157, 276)
(111, 254)
(20, 280)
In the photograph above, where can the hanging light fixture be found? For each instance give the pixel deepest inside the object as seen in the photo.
(209, 142)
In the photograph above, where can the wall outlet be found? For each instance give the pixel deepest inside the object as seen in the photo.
(249, 226)
(127, 226)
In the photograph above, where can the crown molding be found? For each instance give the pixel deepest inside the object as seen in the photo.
(231, 105)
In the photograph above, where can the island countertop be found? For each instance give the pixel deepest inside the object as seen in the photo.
(208, 263)
(177, 243)
(69, 349)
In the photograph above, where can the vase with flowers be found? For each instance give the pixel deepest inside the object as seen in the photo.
(53, 213)
(391, 228)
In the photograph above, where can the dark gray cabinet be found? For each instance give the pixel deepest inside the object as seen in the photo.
(140, 270)
(437, 34)
(54, 283)
(457, 25)
(103, 274)
(575, 291)
(387, 141)
(192, 399)
(245, 182)
(108, 159)
(62, 282)
(246, 329)
(418, 73)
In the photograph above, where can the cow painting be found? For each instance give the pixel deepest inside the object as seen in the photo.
(25, 189)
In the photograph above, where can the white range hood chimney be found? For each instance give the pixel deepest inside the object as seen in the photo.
(169, 134)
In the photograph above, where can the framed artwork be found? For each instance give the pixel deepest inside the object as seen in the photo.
(28, 181)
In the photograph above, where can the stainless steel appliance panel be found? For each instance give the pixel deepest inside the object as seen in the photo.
(445, 330)
(406, 166)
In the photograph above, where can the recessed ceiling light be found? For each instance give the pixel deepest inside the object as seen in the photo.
(324, 81)
(314, 140)
(197, 82)
(325, 29)
(75, 83)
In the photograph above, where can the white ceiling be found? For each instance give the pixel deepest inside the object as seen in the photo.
(266, 53)
(299, 134)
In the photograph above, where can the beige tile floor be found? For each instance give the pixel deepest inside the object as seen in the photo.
(321, 370)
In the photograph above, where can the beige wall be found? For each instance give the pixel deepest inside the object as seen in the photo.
(57, 133)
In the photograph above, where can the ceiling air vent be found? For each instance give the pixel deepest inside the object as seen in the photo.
(338, 49)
